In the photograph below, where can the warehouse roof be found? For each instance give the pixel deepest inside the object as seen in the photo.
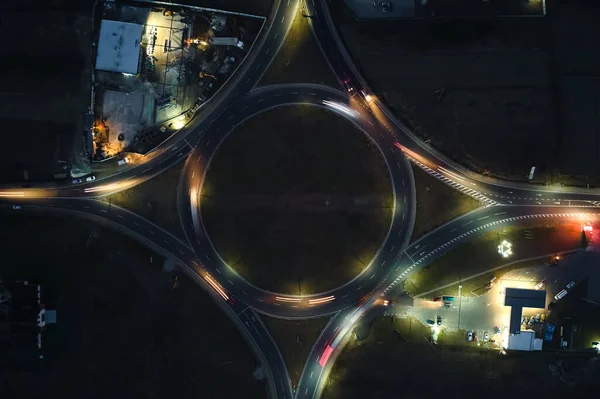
(119, 47)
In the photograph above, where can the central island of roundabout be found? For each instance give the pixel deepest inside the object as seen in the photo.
(300, 208)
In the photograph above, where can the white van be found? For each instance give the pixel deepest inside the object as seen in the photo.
(561, 295)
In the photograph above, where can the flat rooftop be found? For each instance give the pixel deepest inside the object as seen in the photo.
(119, 47)
(525, 298)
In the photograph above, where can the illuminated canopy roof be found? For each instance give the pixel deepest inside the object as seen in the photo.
(119, 47)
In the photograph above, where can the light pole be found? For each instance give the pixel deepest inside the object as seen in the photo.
(459, 303)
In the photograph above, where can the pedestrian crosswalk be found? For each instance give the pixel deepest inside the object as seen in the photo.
(464, 189)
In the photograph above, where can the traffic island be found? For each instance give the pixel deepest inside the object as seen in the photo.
(299, 50)
(481, 254)
(437, 203)
(297, 200)
(155, 200)
(295, 339)
(124, 327)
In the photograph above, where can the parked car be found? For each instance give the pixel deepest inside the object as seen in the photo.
(77, 181)
(123, 161)
(537, 318)
(439, 320)
(474, 337)
(16, 207)
(469, 336)
(543, 317)
(561, 295)
(90, 178)
(437, 299)
(430, 322)
(525, 320)
(571, 285)
(486, 337)
(531, 321)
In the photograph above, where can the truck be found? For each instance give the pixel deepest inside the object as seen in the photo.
(446, 298)
(226, 41)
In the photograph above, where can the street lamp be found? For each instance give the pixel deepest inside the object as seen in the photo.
(505, 249)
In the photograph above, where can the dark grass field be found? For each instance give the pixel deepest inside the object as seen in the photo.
(396, 361)
(480, 89)
(437, 203)
(122, 330)
(297, 200)
(155, 200)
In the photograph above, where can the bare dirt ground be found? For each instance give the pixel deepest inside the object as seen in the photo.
(481, 253)
(287, 214)
(155, 200)
(299, 50)
(295, 339)
(497, 95)
(402, 364)
(122, 330)
(437, 203)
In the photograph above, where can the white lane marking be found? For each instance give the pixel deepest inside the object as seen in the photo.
(199, 158)
(276, 34)
(258, 66)
(103, 210)
(167, 242)
(218, 271)
(267, 52)
(359, 288)
(312, 94)
(151, 232)
(230, 282)
(193, 174)
(206, 256)
(372, 275)
(485, 217)
(467, 223)
(146, 170)
(282, 19)
(370, 123)
(311, 374)
(120, 216)
(181, 252)
(136, 223)
(500, 213)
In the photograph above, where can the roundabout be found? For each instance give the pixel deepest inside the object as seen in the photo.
(285, 213)
(273, 303)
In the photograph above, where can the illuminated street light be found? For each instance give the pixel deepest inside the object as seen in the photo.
(179, 123)
(504, 249)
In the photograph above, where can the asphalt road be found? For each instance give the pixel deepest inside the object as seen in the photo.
(392, 265)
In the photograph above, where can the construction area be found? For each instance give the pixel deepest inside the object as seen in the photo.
(155, 67)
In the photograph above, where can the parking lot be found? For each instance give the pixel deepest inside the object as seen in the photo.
(481, 314)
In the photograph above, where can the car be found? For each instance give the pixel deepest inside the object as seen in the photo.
(469, 336)
(439, 320)
(525, 320)
(437, 299)
(123, 161)
(90, 178)
(571, 285)
(386, 302)
(386, 7)
(537, 318)
(543, 317)
(474, 337)
(531, 321)
(16, 207)
(561, 294)
(540, 285)
(430, 322)
(77, 181)
(486, 337)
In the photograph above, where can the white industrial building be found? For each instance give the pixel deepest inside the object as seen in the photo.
(119, 47)
(525, 341)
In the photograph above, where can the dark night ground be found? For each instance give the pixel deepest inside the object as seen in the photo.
(518, 92)
(289, 233)
(390, 367)
(122, 331)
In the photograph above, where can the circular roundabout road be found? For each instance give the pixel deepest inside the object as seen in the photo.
(278, 304)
